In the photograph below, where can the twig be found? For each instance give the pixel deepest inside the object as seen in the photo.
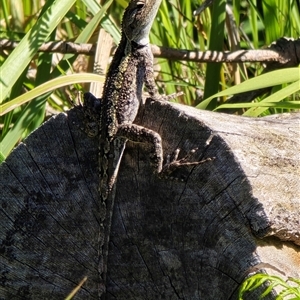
(274, 54)
(54, 47)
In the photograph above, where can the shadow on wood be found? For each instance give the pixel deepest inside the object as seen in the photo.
(193, 238)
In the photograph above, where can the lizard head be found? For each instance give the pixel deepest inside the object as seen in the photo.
(137, 20)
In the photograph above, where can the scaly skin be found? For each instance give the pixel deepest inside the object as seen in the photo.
(132, 66)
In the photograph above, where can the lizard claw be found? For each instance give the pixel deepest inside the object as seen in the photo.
(173, 163)
(171, 96)
(159, 97)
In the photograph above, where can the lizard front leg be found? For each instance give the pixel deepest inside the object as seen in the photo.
(146, 56)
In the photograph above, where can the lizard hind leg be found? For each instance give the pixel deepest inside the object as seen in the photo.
(92, 110)
(173, 163)
(139, 134)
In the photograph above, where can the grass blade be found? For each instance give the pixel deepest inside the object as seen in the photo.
(29, 45)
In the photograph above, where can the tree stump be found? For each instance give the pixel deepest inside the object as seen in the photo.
(194, 235)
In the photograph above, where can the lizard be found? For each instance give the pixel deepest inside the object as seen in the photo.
(111, 117)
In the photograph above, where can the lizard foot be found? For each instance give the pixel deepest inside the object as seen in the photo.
(173, 163)
(159, 97)
(171, 96)
(91, 109)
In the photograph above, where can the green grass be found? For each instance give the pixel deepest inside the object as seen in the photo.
(256, 24)
(289, 289)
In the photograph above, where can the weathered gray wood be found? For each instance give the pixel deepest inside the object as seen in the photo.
(170, 239)
(49, 214)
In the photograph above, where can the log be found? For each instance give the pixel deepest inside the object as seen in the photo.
(196, 234)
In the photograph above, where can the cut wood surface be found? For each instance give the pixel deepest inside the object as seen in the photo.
(194, 235)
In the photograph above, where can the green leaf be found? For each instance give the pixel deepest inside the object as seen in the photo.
(29, 45)
(257, 280)
(215, 43)
(276, 97)
(48, 86)
(107, 23)
(94, 23)
(266, 80)
(12, 137)
(271, 19)
(282, 105)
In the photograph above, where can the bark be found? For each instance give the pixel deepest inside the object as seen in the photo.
(193, 235)
(285, 52)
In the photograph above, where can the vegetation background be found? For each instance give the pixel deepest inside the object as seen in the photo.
(35, 85)
(254, 24)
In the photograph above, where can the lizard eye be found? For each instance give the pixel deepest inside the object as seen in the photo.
(140, 4)
(138, 7)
